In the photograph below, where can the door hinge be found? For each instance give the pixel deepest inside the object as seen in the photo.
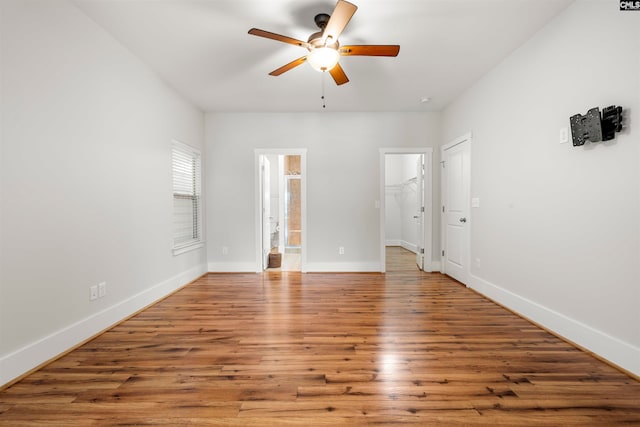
(442, 209)
(422, 251)
(442, 163)
(442, 253)
(422, 209)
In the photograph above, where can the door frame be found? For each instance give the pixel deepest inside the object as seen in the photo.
(420, 256)
(258, 152)
(427, 189)
(443, 223)
(265, 199)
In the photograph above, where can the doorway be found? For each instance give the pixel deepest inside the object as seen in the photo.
(281, 213)
(290, 245)
(406, 206)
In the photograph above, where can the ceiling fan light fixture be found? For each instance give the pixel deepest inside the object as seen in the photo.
(323, 58)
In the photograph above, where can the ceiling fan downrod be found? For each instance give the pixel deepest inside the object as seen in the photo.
(321, 20)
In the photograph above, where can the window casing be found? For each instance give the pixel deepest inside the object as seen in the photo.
(187, 198)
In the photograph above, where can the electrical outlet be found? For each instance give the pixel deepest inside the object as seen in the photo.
(102, 289)
(341, 250)
(93, 293)
(225, 250)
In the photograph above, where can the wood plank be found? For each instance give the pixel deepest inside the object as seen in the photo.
(285, 348)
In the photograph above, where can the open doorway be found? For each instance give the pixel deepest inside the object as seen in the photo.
(281, 210)
(290, 244)
(405, 211)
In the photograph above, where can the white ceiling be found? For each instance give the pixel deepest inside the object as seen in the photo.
(202, 49)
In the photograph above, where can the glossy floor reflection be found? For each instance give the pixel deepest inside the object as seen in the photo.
(286, 348)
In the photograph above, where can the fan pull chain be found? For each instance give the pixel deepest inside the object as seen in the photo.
(324, 105)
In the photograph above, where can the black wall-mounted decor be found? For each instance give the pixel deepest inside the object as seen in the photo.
(594, 126)
(611, 122)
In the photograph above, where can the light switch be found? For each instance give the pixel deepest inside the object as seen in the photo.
(564, 135)
(475, 202)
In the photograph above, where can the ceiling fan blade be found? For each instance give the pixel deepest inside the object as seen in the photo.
(338, 75)
(277, 37)
(339, 19)
(370, 50)
(289, 66)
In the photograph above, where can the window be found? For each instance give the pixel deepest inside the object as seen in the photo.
(187, 200)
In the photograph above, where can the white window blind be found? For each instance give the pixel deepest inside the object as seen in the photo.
(187, 201)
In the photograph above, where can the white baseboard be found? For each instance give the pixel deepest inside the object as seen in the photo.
(409, 246)
(311, 267)
(612, 349)
(233, 267)
(21, 361)
(343, 267)
(402, 243)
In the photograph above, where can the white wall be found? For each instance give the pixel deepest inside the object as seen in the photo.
(557, 232)
(393, 197)
(393, 216)
(342, 181)
(86, 182)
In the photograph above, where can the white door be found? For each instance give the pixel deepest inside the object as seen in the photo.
(266, 210)
(455, 202)
(419, 215)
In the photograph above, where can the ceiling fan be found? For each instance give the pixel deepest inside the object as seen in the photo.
(324, 49)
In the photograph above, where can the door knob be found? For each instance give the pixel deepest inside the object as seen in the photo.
(463, 220)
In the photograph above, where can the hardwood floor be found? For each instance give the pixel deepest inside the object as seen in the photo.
(291, 261)
(284, 348)
(400, 260)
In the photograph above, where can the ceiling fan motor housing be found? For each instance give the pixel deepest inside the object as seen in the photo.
(315, 39)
